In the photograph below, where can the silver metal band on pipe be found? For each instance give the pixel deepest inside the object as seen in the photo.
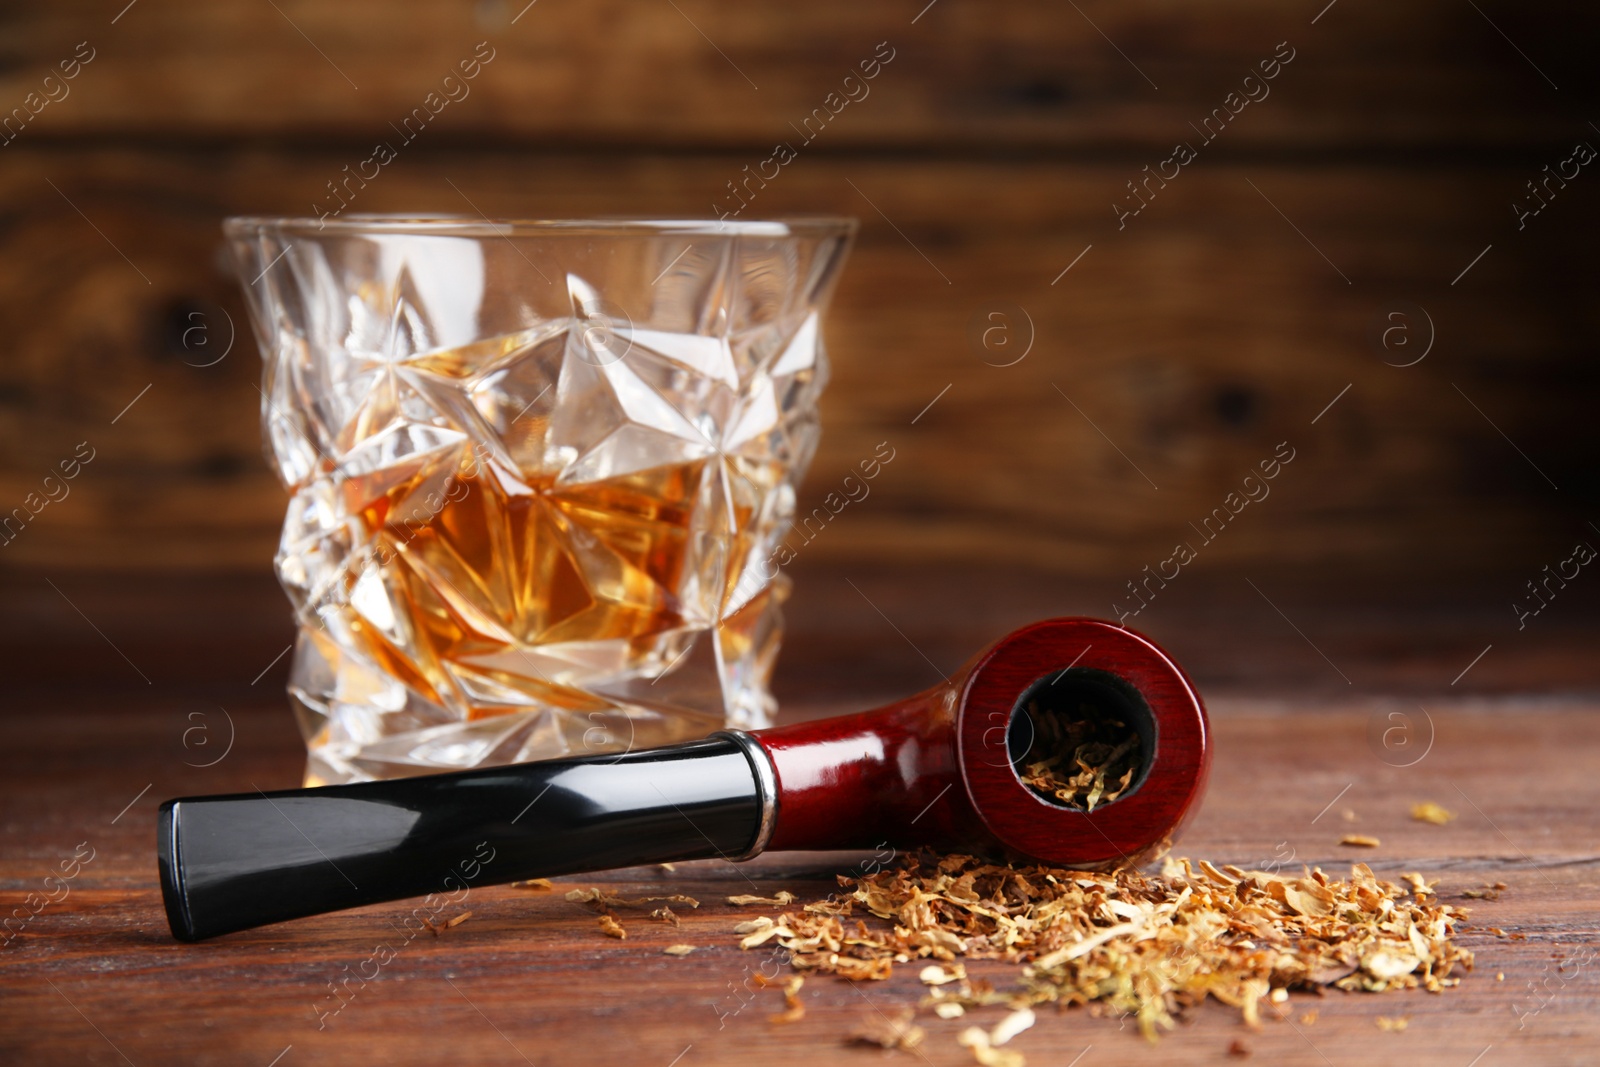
(766, 784)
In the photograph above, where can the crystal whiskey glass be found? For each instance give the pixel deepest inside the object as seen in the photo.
(537, 474)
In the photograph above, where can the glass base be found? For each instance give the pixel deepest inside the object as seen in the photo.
(362, 722)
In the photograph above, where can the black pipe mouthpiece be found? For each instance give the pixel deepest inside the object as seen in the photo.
(233, 862)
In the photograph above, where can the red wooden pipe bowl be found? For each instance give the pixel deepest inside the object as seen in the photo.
(936, 769)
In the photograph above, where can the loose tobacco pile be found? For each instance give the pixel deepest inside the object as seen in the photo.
(1149, 946)
(1081, 759)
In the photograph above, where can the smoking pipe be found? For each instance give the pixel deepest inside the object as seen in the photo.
(937, 769)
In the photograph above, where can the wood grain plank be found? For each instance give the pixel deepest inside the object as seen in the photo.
(531, 976)
(1026, 74)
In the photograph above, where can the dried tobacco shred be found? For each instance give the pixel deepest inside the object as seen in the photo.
(794, 1007)
(439, 928)
(604, 902)
(783, 899)
(1149, 946)
(1428, 811)
(892, 1029)
(602, 899)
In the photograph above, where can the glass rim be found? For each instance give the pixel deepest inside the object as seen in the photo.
(454, 225)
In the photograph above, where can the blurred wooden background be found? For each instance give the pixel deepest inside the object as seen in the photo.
(1242, 308)
(1221, 321)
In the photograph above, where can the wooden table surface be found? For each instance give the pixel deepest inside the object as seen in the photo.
(96, 978)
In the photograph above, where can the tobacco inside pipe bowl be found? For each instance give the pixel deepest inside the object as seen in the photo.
(1070, 742)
